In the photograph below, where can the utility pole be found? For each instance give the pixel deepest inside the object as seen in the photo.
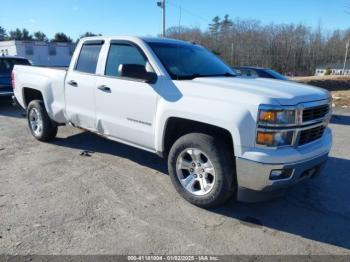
(346, 55)
(161, 4)
(232, 52)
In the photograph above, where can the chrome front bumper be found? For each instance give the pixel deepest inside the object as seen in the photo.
(256, 176)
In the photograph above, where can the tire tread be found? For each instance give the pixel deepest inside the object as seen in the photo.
(222, 158)
(49, 128)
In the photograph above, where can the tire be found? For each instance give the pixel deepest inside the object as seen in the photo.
(39, 122)
(214, 173)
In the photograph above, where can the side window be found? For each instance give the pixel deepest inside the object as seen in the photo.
(122, 54)
(88, 57)
(52, 49)
(29, 49)
(249, 73)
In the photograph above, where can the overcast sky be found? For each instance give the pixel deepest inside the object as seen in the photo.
(143, 17)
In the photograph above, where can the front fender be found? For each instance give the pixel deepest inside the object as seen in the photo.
(239, 120)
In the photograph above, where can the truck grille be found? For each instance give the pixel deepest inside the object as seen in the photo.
(309, 135)
(314, 113)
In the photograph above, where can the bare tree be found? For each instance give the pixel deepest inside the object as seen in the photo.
(288, 48)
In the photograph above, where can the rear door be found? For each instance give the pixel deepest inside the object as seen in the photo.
(80, 86)
(125, 108)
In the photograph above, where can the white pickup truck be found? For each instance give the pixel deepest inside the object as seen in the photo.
(219, 132)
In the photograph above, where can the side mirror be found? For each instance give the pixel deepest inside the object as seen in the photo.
(138, 72)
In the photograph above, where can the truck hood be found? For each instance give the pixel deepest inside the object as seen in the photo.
(253, 90)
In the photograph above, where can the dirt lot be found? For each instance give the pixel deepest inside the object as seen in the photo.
(338, 85)
(120, 201)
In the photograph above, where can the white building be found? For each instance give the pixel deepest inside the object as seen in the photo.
(335, 70)
(40, 53)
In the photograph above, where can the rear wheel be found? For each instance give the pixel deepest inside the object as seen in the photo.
(40, 124)
(201, 168)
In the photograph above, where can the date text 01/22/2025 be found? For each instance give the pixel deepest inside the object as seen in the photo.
(172, 258)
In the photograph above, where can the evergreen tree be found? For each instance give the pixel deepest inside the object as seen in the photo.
(226, 25)
(16, 34)
(19, 34)
(214, 27)
(62, 37)
(3, 34)
(26, 35)
(40, 36)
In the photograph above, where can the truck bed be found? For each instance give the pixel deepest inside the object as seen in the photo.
(52, 67)
(49, 81)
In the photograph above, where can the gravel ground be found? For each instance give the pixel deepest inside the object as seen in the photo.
(119, 200)
(339, 86)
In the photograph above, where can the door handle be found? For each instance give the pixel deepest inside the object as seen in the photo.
(72, 83)
(104, 88)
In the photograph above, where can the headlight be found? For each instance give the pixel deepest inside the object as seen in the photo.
(274, 139)
(276, 117)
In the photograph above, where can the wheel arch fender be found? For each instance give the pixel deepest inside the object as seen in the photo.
(234, 125)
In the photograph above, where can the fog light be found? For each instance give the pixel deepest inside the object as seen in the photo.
(281, 174)
(274, 138)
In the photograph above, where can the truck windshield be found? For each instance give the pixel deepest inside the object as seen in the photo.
(276, 74)
(189, 61)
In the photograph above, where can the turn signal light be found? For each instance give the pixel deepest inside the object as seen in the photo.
(268, 116)
(274, 139)
(265, 138)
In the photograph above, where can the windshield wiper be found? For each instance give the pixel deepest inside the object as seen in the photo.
(226, 75)
(196, 75)
(188, 77)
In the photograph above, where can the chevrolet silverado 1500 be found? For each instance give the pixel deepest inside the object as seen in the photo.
(219, 132)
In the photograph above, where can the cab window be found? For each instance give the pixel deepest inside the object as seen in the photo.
(88, 58)
(122, 53)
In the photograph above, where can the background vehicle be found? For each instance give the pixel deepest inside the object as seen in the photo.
(260, 72)
(6, 65)
(218, 132)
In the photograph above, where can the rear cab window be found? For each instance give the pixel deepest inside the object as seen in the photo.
(88, 57)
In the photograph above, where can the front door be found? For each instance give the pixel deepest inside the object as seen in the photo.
(125, 108)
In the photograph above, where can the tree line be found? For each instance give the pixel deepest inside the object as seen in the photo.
(25, 35)
(293, 49)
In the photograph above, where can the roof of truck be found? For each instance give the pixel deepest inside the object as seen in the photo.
(162, 40)
(137, 38)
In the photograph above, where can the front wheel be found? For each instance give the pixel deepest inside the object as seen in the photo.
(40, 124)
(201, 168)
